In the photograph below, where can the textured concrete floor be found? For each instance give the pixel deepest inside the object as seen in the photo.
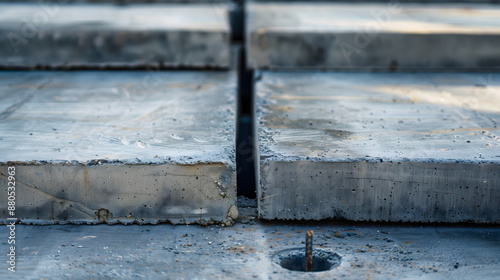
(119, 147)
(244, 251)
(106, 35)
(387, 36)
(216, 2)
(379, 147)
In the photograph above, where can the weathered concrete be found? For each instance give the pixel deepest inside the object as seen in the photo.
(383, 36)
(361, 1)
(245, 251)
(216, 2)
(119, 147)
(379, 147)
(57, 35)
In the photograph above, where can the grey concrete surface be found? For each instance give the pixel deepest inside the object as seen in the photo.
(244, 251)
(57, 35)
(119, 147)
(379, 147)
(381, 1)
(369, 1)
(229, 2)
(383, 36)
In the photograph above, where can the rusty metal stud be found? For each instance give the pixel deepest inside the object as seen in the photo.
(309, 249)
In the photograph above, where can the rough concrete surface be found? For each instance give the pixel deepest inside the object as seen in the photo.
(379, 147)
(229, 2)
(383, 1)
(119, 147)
(245, 251)
(388, 36)
(56, 35)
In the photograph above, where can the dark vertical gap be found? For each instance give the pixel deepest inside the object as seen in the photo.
(245, 130)
(245, 166)
(237, 20)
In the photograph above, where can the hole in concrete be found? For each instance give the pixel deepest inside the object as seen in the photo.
(295, 259)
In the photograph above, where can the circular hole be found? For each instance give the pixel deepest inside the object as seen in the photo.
(295, 259)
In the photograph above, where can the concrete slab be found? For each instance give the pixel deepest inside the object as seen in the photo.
(119, 147)
(380, 1)
(128, 1)
(104, 35)
(379, 147)
(245, 251)
(383, 36)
